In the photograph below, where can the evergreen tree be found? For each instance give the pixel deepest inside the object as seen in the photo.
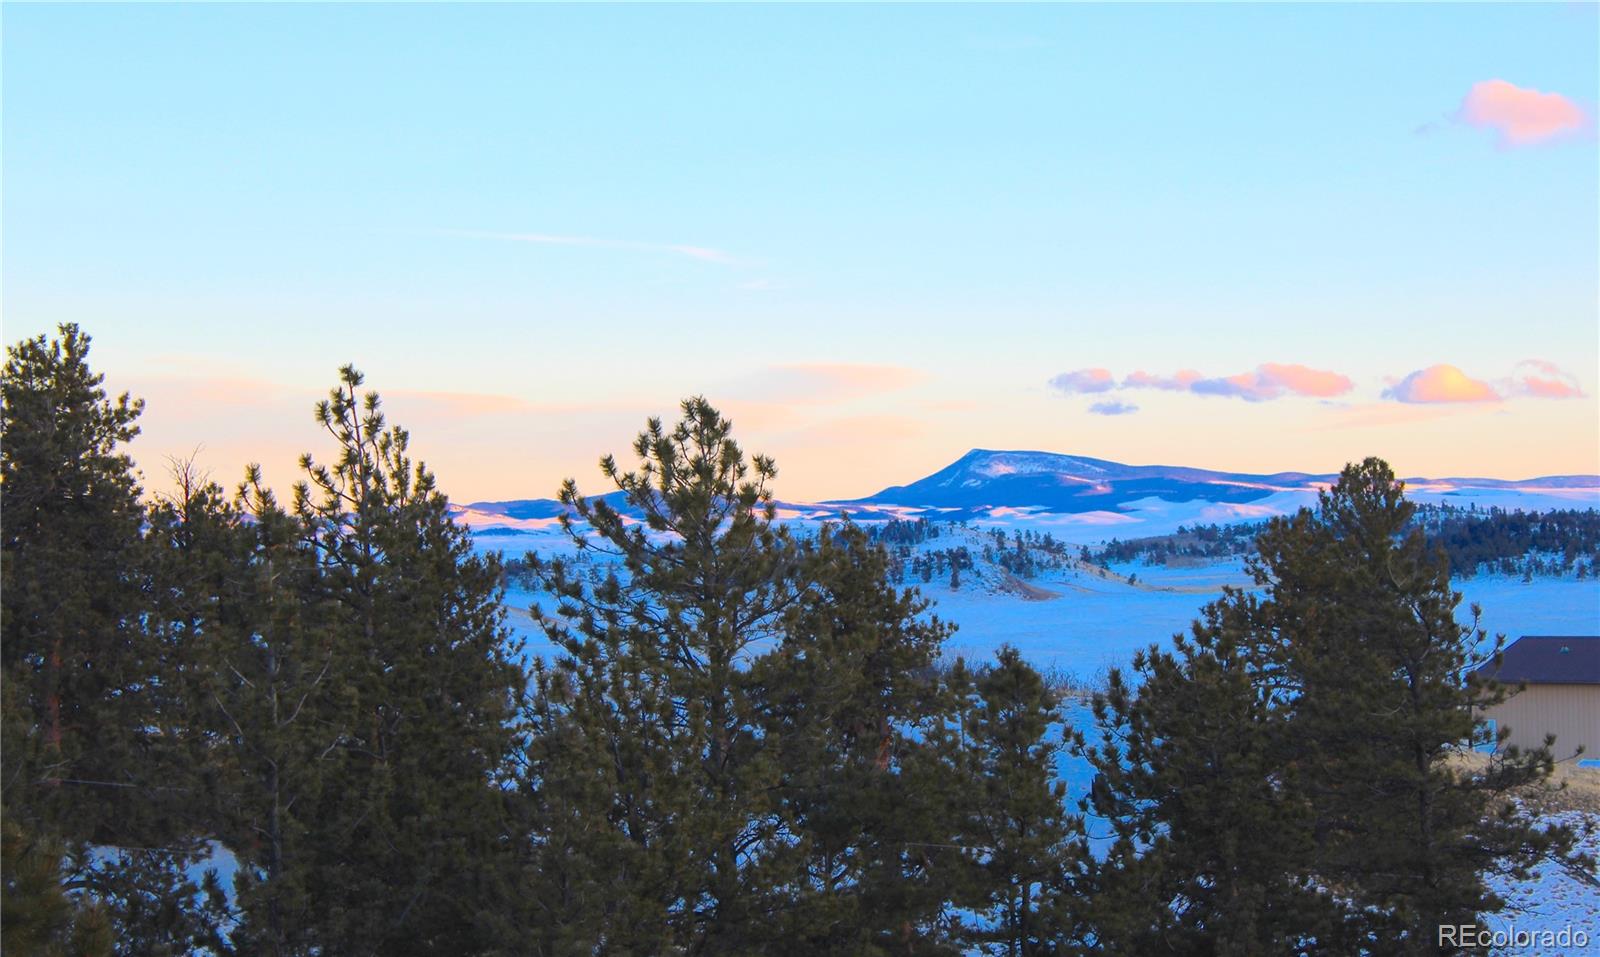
(267, 666)
(1359, 624)
(1209, 840)
(93, 756)
(69, 598)
(656, 660)
(1030, 855)
(718, 750)
(854, 711)
(412, 854)
(353, 699)
(40, 918)
(1285, 777)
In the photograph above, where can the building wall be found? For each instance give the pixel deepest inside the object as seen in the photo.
(1570, 712)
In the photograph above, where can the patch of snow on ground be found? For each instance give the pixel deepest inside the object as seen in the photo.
(1551, 899)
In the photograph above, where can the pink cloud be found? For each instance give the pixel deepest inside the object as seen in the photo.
(1539, 379)
(1304, 380)
(1521, 116)
(1441, 383)
(1270, 380)
(1178, 382)
(1084, 380)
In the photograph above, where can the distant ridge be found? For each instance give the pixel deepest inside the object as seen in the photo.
(1052, 482)
(986, 480)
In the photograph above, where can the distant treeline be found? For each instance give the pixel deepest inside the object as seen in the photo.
(1559, 542)
(1554, 543)
(1187, 543)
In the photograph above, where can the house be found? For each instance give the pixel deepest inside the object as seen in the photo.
(1561, 675)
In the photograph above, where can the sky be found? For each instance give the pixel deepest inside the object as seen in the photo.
(1243, 237)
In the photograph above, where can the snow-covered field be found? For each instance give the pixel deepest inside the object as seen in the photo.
(1094, 621)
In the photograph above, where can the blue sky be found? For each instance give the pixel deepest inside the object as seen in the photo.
(874, 234)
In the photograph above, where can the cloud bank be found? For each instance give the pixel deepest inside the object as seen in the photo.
(1436, 384)
(1270, 380)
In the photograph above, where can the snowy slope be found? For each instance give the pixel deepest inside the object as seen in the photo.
(984, 482)
(1083, 499)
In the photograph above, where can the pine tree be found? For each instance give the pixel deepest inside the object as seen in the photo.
(1359, 623)
(412, 853)
(40, 918)
(1029, 847)
(855, 713)
(94, 763)
(352, 696)
(265, 671)
(69, 597)
(718, 750)
(1288, 776)
(1208, 839)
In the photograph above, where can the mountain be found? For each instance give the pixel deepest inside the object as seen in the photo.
(984, 480)
(991, 484)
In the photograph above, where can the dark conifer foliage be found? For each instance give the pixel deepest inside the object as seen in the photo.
(410, 853)
(40, 917)
(1209, 838)
(1553, 542)
(322, 700)
(1287, 777)
(264, 671)
(1359, 622)
(92, 751)
(857, 719)
(725, 758)
(71, 598)
(1027, 850)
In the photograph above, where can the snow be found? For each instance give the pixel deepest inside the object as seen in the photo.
(1551, 899)
(1094, 624)
(486, 520)
(997, 464)
(1544, 606)
(1096, 621)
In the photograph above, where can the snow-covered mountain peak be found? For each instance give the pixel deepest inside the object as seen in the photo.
(987, 463)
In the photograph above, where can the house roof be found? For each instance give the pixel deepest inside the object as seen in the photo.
(1549, 659)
